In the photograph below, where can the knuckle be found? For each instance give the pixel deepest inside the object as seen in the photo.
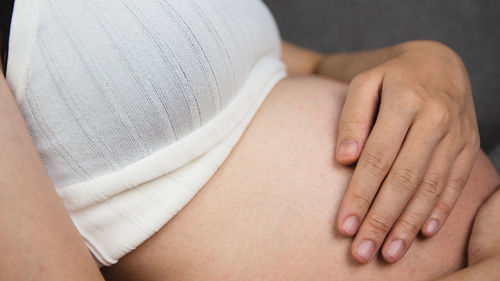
(375, 162)
(444, 208)
(431, 185)
(403, 180)
(456, 184)
(409, 225)
(361, 199)
(469, 128)
(361, 77)
(455, 137)
(475, 141)
(352, 121)
(440, 115)
(462, 107)
(378, 224)
(359, 81)
(412, 100)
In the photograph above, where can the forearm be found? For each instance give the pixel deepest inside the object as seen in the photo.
(298, 60)
(486, 270)
(37, 238)
(344, 66)
(484, 244)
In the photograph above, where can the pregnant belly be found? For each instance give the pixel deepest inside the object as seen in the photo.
(269, 211)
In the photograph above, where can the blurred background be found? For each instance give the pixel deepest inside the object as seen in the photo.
(470, 27)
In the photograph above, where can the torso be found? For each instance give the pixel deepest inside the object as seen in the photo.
(133, 105)
(269, 212)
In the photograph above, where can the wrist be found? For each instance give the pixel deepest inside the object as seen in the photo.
(346, 66)
(424, 47)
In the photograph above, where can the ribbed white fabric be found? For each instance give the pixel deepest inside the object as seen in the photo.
(133, 105)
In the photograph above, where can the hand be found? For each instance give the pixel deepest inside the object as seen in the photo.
(414, 162)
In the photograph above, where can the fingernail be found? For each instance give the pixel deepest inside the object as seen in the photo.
(350, 225)
(366, 250)
(395, 249)
(432, 227)
(348, 149)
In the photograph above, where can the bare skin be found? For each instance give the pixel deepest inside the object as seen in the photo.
(269, 211)
(49, 247)
(409, 122)
(37, 238)
(484, 245)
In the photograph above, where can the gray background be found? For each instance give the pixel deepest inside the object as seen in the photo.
(470, 27)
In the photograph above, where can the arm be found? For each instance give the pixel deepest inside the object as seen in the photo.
(486, 270)
(345, 66)
(340, 66)
(298, 60)
(37, 238)
(484, 245)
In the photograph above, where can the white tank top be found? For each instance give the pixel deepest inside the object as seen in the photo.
(119, 93)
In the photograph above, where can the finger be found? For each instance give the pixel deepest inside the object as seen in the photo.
(375, 161)
(421, 205)
(357, 116)
(454, 185)
(398, 188)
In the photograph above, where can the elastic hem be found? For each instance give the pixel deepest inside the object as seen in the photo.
(118, 212)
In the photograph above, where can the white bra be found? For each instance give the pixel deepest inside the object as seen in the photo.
(133, 105)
